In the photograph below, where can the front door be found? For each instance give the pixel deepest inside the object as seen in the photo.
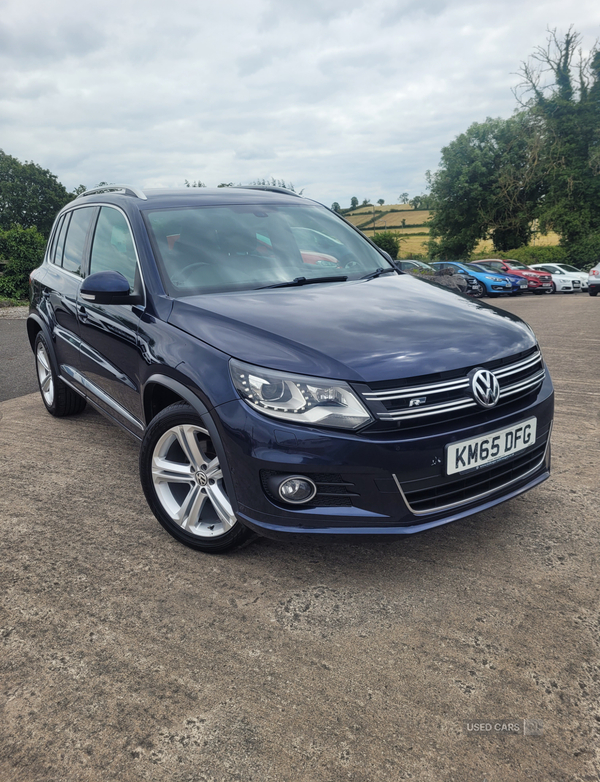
(110, 356)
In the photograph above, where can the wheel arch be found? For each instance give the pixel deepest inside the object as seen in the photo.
(35, 326)
(160, 391)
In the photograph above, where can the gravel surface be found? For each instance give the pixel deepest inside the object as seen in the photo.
(125, 656)
(14, 313)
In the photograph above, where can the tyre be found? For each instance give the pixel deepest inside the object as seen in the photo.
(552, 289)
(478, 290)
(592, 293)
(182, 479)
(59, 399)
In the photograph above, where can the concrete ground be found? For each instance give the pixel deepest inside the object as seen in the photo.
(125, 656)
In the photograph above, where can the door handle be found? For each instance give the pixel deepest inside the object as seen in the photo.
(81, 311)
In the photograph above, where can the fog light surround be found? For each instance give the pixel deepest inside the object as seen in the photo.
(295, 489)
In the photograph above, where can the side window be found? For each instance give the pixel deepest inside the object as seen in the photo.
(60, 244)
(76, 235)
(52, 250)
(112, 248)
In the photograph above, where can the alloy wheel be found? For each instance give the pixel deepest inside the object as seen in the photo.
(188, 481)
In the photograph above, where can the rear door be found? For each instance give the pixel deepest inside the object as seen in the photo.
(61, 283)
(110, 358)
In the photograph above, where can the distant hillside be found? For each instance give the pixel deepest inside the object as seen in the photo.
(412, 226)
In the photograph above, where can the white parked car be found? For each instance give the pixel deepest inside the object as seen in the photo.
(562, 274)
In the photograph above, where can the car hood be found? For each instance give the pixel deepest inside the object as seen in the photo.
(386, 328)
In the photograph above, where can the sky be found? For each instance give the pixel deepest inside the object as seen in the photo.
(342, 99)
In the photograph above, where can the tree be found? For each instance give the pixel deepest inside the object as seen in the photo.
(487, 185)
(29, 195)
(381, 202)
(353, 202)
(198, 183)
(336, 207)
(562, 95)
(403, 198)
(366, 202)
(389, 242)
(423, 201)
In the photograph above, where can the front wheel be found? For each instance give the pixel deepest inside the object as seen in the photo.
(593, 293)
(478, 290)
(182, 479)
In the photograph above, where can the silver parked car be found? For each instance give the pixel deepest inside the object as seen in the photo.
(594, 280)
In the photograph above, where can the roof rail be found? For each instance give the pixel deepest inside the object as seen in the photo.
(125, 189)
(271, 188)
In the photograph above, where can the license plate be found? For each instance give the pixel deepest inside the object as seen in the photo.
(546, 284)
(523, 285)
(480, 451)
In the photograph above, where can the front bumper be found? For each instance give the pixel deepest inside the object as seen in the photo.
(381, 473)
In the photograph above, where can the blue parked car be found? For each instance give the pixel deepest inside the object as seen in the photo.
(279, 372)
(491, 284)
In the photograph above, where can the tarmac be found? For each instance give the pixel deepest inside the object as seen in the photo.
(125, 656)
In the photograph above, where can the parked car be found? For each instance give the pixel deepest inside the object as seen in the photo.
(594, 280)
(272, 395)
(562, 281)
(410, 265)
(471, 286)
(563, 271)
(489, 284)
(538, 282)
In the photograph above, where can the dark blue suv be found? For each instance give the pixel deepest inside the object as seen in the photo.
(280, 373)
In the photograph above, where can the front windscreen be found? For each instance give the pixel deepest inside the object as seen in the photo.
(567, 267)
(211, 249)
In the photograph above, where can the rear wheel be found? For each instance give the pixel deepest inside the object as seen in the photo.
(182, 478)
(59, 399)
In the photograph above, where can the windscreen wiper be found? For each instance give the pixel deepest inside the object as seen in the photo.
(305, 281)
(377, 273)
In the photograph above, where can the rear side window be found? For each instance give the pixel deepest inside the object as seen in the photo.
(75, 243)
(113, 248)
(52, 251)
(60, 242)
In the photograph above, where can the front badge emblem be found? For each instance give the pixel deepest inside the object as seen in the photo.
(485, 387)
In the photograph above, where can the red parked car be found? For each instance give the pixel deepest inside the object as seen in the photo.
(538, 282)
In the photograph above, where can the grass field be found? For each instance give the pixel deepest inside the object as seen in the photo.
(415, 233)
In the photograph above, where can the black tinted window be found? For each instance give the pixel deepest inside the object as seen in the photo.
(113, 249)
(52, 251)
(60, 244)
(75, 244)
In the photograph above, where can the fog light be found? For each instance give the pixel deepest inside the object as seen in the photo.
(297, 489)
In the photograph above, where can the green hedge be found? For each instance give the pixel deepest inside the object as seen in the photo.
(21, 251)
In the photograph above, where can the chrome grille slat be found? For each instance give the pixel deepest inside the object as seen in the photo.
(420, 412)
(446, 399)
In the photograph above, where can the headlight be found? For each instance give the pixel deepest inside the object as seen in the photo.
(298, 398)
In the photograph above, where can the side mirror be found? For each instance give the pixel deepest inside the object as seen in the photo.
(108, 287)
